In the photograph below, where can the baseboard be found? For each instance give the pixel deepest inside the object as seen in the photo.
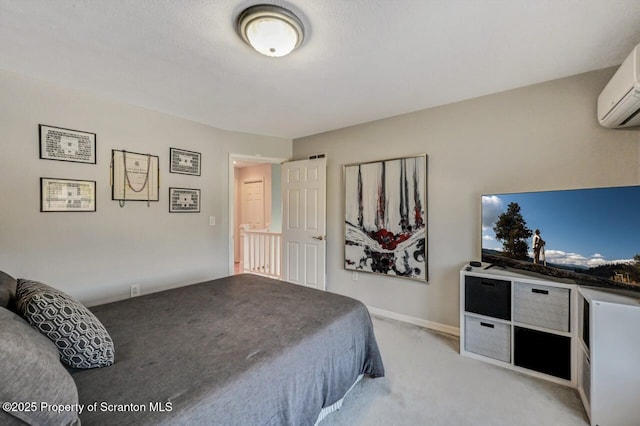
(454, 331)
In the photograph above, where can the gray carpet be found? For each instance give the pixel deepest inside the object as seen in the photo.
(429, 383)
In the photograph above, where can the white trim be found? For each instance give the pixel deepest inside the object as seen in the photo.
(454, 331)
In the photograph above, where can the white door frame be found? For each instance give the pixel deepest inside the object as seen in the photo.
(258, 159)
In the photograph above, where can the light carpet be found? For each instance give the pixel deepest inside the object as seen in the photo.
(428, 383)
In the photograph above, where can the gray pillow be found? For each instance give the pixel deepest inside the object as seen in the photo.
(82, 340)
(31, 371)
(7, 290)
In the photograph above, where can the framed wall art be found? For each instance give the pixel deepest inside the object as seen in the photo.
(134, 177)
(57, 143)
(67, 195)
(184, 162)
(184, 200)
(386, 217)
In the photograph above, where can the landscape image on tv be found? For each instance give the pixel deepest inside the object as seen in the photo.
(590, 236)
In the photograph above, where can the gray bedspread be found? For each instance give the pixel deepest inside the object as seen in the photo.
(241, 350)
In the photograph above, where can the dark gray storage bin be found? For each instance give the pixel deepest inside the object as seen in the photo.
(544, 352)
(486, 296)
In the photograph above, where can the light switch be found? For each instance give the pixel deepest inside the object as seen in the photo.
(212, 221)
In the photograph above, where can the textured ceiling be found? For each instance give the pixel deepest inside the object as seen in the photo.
(362, 60)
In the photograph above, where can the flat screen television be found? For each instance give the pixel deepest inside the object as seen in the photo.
(590, 236)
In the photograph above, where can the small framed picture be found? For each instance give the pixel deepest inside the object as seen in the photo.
(134, 176)
(184, 200)
(61, 144)
(184, 162)
(67, 195)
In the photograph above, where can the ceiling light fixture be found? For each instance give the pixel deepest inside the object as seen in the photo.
(271, 30)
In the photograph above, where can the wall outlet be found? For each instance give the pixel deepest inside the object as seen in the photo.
(354, 276)
(135, 290)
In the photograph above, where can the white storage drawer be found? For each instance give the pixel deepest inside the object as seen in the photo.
(488, 338)
(541, 305)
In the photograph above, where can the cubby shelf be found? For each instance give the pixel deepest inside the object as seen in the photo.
(519, 322)
(581, 337)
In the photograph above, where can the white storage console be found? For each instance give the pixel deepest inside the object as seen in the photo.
(520, 322)
(609, 356)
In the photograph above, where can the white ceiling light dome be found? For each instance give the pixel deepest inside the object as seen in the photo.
(271, 30)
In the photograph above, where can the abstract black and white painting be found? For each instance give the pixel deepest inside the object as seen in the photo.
(386, 217)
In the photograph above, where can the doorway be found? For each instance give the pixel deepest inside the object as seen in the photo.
(255, 212)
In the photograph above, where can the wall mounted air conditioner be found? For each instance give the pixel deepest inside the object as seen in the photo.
(619, 102)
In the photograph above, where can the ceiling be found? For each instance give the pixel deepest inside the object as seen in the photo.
(362, 60)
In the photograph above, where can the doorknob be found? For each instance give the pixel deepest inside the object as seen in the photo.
(319, 237)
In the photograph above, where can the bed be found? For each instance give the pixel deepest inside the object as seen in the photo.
(241, 350)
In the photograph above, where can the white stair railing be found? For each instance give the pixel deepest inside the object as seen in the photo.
(261, 253)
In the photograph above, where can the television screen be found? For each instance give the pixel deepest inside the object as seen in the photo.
(591, 236)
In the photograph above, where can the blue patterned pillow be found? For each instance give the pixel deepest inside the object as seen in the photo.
(82, 340)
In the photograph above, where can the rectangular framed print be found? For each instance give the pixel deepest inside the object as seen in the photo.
(134, 176)
(184, 200)
(67, 195)
(61, 144)
(184, 162)
(386, 217)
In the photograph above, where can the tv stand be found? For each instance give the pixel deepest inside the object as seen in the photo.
(519, 322)
(583, 337)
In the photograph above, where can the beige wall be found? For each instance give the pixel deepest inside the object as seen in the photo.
(97, 256)
(535, 138)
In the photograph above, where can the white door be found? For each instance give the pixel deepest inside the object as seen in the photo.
(252, 204)
(304, 222)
